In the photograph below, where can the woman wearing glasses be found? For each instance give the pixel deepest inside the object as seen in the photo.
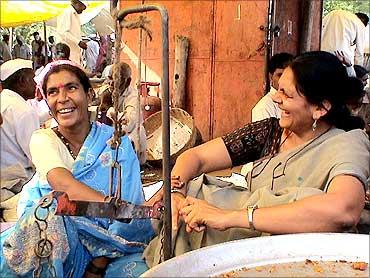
(309, 172)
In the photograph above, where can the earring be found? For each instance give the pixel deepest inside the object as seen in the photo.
(314, 125)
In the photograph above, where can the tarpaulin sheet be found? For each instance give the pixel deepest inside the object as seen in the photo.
(20, 12)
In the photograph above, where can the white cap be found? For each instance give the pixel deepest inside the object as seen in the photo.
(11, 66)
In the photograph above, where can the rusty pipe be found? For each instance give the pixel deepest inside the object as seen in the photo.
(167, 248)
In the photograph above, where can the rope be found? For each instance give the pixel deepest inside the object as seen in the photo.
(140, 22)
(118, 132)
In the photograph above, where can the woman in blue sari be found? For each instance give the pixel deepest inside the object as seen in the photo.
(75, 158)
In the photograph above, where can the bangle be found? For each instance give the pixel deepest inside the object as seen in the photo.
(94, 269)
(250, 210)
(176, 190)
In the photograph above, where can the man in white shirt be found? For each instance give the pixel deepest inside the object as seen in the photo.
(344, 32)
(266, 107)
(19, 122)
(91, 54)
(21, 49)
(5, 49)
(69, 29)
(39, 54)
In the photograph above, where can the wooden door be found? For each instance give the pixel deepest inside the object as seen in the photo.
(238, 68)
(289, 16)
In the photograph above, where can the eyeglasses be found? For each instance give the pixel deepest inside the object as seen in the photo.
(274, 175)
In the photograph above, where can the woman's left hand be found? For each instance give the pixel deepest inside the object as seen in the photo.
(198, 214)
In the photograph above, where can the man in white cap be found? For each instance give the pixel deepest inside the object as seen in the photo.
(69, 29)
(19, 122)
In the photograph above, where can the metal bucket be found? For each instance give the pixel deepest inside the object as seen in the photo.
(221, 258)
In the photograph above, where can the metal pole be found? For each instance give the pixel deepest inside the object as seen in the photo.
(46, 45)
(138, 86)
(167, 247)
(269, 42)
(11, 40)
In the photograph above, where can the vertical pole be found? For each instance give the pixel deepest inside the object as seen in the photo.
(167, 245)
(46, 45)
(179, 81)
(306, 34)
(167, 248)
(11, 39)
(269, 43)
(138, 104)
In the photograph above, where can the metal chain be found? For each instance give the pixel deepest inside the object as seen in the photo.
(161, 256)
(44, 247)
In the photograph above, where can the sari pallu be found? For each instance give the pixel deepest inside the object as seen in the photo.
(77, 240)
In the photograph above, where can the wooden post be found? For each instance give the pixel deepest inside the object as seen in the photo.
(306, 32)
(181, 58)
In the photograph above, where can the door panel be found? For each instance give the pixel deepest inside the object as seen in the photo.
(239, 63)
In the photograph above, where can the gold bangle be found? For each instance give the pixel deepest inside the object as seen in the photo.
(250, 210)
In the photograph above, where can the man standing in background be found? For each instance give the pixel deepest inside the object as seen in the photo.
(91, 54)
(5, 49)
(69, 29)
(52, 49)
(21, 50)
(38, 51)
(344, 32)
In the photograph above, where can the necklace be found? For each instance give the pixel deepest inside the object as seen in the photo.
(282, 143)
(65, 142)
(269, 158)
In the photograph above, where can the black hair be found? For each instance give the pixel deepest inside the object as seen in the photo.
(5, 37)
(320, 76)
(355, 88)
(35, 33)
(363, 17)
(62, 51)
(79, 73)
(360, 71)
(13, 80)
(279, 61)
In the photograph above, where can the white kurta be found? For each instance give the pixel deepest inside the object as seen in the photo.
(19, 122)
(344, 31)
(69, 32)
(91, 55)
(266, 107)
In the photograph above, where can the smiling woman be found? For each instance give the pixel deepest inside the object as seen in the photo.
(74, 158)
(309, 174)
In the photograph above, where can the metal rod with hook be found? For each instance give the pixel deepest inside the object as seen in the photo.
(167, 250)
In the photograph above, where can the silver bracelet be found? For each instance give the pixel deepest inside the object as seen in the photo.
(176, 190)
(250, 210)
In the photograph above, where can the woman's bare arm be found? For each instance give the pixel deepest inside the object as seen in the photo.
(61, 179)
(335, 211)
(210, 156)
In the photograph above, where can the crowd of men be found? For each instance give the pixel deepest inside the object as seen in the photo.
(83, 50)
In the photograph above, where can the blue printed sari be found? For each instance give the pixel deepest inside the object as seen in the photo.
(78, 240)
